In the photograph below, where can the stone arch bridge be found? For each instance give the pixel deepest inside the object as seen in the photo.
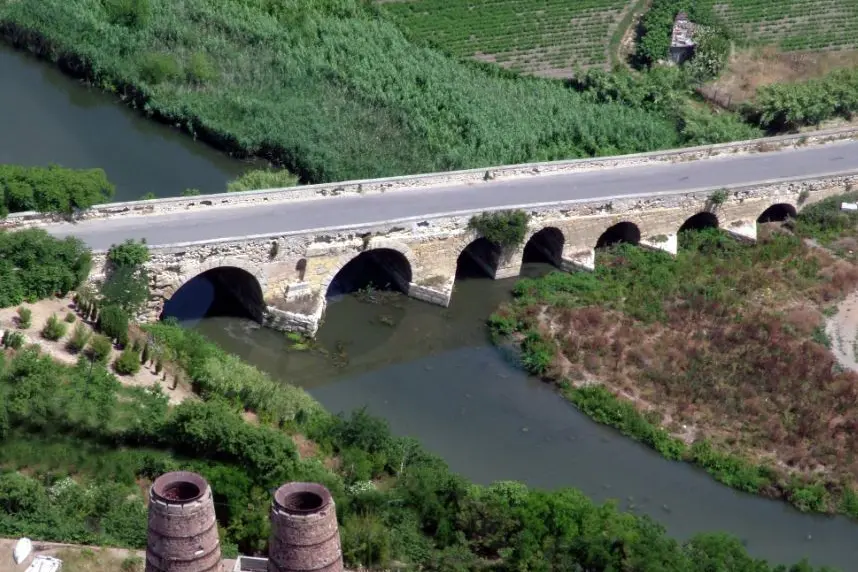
(284, 279)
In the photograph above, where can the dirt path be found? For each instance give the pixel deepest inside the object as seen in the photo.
(43, 309)
(842, 330)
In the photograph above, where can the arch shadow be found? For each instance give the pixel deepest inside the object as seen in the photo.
(778, 213)
(220, 291)
(480, 259)
(620, 233)
(545, 246)
(381, 268)
(699, 221)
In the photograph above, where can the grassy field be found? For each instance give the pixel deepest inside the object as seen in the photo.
(793, 25)
(547, 38)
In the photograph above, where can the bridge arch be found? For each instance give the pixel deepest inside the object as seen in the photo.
(777, 212)
(387, 267)
(622, 232)
(545, 245)
(479, 259)
(700, 221)
(218, 287)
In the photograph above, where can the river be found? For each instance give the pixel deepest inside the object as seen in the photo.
(431, 372)
(47, 118)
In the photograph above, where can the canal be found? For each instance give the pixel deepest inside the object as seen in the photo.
(431, 372)
(47, 118)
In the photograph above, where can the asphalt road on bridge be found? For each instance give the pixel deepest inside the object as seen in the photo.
(270, 218)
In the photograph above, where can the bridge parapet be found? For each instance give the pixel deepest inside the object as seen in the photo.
(418, 182)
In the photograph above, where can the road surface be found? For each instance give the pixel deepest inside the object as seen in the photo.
(225, 222)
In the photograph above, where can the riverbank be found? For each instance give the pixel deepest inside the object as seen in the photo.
(718, 357)
(359, 101)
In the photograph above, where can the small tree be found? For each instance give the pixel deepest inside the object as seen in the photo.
(25, 318)
(79, 338)
(100, 348)
(113, 323)
(144, 357)
(54, 329)
(505, 228)
(128, 362)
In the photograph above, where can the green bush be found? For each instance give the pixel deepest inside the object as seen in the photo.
(128, 362)
(505, 228)
(155, 68)
(34, 265)
(100, 348)
(788, 106)
(51, 189)
(70, 318)
(25, 317)
(79, 338)
(54, 329)
(129, 253)
(14, 340)
(130, 13)
(191, 193)
(258, 179)
(201, 69)
(113, 322)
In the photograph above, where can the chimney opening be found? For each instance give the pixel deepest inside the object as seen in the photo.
(303, 501)
(179, 487)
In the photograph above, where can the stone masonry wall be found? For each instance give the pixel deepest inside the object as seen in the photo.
(295, 274)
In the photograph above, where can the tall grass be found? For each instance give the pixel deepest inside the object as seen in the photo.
(330, 89)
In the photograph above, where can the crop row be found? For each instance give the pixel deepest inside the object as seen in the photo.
(575, 33)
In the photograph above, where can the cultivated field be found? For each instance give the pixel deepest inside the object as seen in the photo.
(793, 25)
(546, 37)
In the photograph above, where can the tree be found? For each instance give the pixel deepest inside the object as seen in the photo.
(127, 288)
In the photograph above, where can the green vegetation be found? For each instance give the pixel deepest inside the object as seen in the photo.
(657, 25)
(25, 317)
(337, 92)
(35, 265)
(553, 35)
(788, 106)
(259, 179)
(126, 289)
(696, 340)
(505, 228)
(51, 189)
(54, 329)
(793, 25)
(128, 362)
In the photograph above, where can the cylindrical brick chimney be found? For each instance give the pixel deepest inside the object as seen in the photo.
(304, 532)
(182, 527)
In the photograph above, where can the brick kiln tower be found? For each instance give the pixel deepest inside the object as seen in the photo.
(304, 531)
(183, 533)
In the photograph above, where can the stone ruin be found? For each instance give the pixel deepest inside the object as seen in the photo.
(682, 39)
(183, 534)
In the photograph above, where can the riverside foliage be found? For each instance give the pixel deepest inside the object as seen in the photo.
(696, 339)
(332, 89)
(51, 189)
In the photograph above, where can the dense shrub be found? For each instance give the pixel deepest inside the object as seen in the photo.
(113, 322)
(25, 317)
(79, 338)
(505, 228)
(783, 106)
(35, 265)
(128, 362)
(259, 179)
(51, 189)
(100, 348)
(54, 329)
(157, 68)
(129, 253)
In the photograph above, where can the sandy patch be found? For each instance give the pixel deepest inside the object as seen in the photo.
(842, 330)
(43, 309)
